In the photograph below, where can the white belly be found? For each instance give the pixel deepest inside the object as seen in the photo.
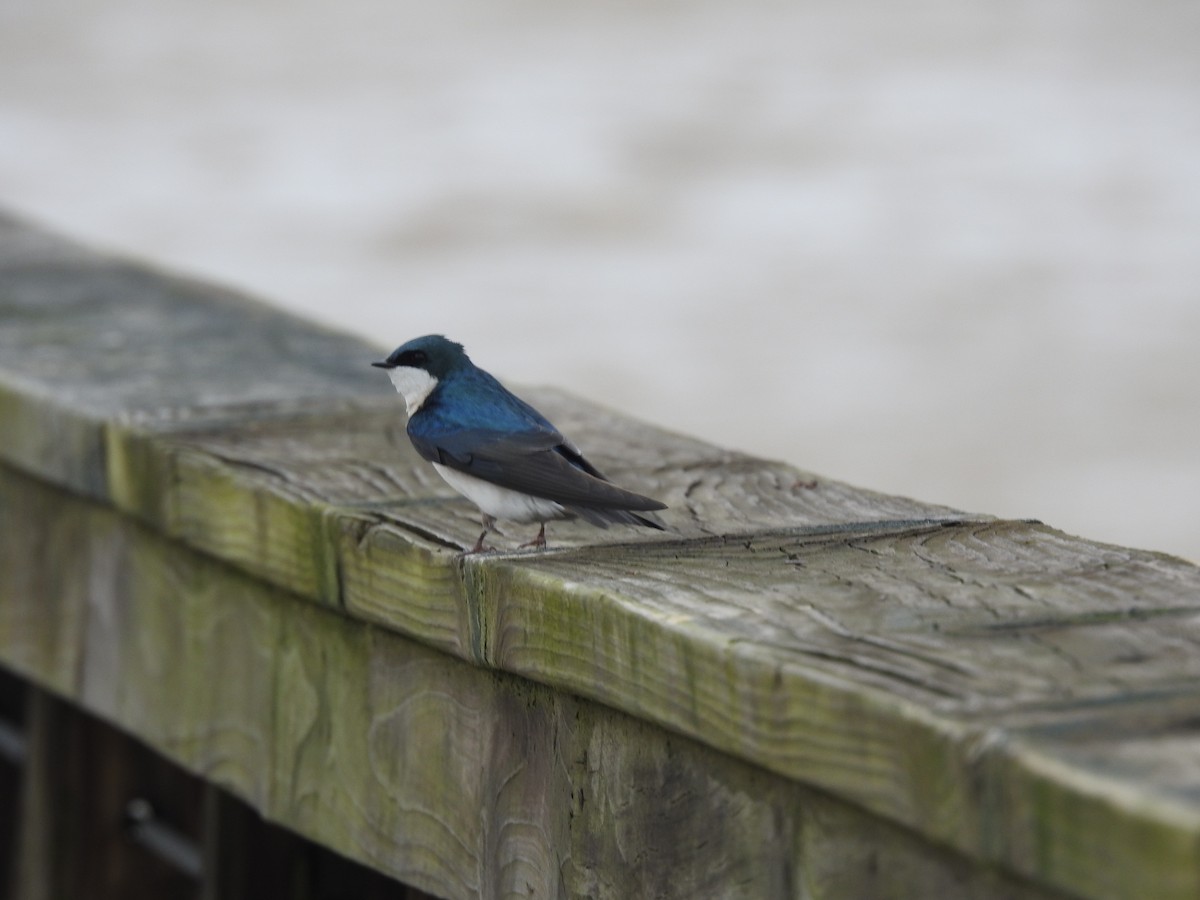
(499, 502)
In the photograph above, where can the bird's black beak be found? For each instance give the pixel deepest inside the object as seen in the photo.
(383, 365)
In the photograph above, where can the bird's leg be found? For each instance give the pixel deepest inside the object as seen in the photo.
(488, 524)
(540, 540)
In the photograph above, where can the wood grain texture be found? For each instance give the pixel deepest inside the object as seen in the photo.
(1024, 696)
(462, 781)
(911, 670)
(313, 501)
(46, 639)
(87, 340)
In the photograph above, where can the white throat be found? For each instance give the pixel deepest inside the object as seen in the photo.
(414, 385)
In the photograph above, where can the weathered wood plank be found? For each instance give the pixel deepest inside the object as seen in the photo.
(87, 339)
(902, 669)
(989, 684)
(44, 639)
(359, 456)
(300, 499)
(465, 782)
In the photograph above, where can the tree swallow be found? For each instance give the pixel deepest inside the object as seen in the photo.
(497, 450)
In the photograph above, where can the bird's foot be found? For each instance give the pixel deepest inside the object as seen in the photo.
(538, 542)
(488, 524)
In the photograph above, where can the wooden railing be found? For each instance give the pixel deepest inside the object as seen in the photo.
(215, 535)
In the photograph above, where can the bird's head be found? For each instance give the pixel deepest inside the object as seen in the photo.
(417, 366)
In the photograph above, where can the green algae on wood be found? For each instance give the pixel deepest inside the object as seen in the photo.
(462, 781)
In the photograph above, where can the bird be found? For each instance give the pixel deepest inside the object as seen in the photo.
(497, 450)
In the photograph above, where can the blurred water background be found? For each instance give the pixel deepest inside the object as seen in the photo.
(939, 249)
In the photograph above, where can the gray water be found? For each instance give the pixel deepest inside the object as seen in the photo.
(939, 249)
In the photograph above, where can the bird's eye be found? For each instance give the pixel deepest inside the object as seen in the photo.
(414, 358)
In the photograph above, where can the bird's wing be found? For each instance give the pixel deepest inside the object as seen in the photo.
(494, 435)
(531, 463)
